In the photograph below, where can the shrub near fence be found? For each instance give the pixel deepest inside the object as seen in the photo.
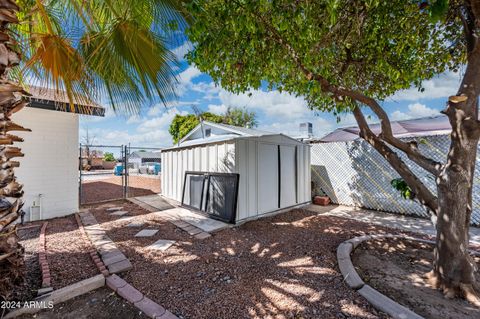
(353, 173)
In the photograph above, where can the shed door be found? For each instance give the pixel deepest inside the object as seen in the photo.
(267, 177)
(288, 176)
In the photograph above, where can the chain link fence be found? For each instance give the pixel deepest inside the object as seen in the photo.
(111, 172)
(353, 173)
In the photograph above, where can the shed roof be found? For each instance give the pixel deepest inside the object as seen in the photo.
(57, 100)
(432, 125)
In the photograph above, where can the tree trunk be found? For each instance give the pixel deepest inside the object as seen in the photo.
(453, 268)
(11, 101)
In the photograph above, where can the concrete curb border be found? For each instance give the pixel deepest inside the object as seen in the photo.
(92, 251)
(149, 307)
(112, 259)
(353, 280)
(60, 295)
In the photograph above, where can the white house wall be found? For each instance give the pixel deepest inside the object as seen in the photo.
(50, 165)
(207, 158)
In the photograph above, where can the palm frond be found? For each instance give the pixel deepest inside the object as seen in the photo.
(115, 49)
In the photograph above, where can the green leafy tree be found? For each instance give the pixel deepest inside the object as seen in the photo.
(89, 49)
(108, 157)
(182, 124)
(240, 117)
(348, 56)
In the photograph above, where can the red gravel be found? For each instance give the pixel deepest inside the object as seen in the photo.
(111, 188)
(33, 275)
(398, 268)
(67, 253)
(279, 267)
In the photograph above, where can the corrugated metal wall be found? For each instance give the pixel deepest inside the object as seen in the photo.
(256, 160)
(353, 173)
(257, 164)
(206, 158)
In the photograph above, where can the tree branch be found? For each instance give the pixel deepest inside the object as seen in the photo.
(422, 193)
(410, 149)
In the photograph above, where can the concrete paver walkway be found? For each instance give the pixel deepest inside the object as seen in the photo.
(417, 225)
(200, 221)
(178, 215)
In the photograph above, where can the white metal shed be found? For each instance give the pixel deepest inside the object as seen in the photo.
(273, 170)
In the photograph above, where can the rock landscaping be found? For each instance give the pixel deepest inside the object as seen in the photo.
(283, 266)
(397, 268)
(67, 253)
(278, 267)
(29, 239)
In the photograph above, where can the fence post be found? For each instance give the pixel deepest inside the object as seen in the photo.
(80, 167)
(125, 172)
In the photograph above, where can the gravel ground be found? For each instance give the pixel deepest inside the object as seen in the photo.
(279, 267)
(33, 276)
(99, 304)
(397, 268)
(111, 188)
(67, 253)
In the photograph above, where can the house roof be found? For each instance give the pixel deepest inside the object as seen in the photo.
(139, 154)
(433, 125)
(57, 100)
(244, 131)
(234, 131)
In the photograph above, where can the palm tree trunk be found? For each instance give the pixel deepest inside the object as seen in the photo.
(12, 99)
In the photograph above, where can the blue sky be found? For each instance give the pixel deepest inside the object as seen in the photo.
(277, 112)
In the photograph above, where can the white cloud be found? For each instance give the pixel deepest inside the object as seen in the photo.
(159, 108)
(181, 50)
(188, 75)
(217, 109)
(321, 126)
(441, 86)
(415, 110)
(185, 79)
(159, 123)
(134, 119)
(152, 132)
(272, 103)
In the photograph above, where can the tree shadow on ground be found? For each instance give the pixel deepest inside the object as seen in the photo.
(278, 267)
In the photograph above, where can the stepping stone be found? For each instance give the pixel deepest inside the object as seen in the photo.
(114, 258)
(114, 209)
(162, 244)
(119, 213)
(120, 266)
(146, 233)
(135, 224)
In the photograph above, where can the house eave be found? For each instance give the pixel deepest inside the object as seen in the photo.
(62, 107)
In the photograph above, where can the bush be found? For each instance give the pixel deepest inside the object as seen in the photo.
(108, 157)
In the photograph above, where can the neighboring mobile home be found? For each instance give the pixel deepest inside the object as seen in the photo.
(136, 159)
(236, 173)
(49, 170)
